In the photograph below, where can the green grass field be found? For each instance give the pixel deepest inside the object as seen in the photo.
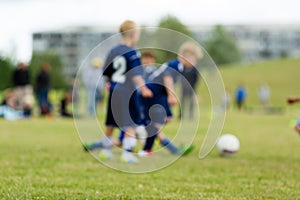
(44, 159)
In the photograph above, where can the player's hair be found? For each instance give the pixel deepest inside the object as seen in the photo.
(148, 53)
(190, 47)
(127, 26)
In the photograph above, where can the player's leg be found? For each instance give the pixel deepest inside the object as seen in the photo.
(91, 101)
(107, 141)
(136, 113)
(166, 142)
(239, 104)
(181, 106)
(191, 105)
(120, 138)
(107, 144)
(173, 149)
(158, 116)
(126, 118)
(152, 131)
(112, 120)
(128, 144)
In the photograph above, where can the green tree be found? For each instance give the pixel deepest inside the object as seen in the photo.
(58, 80)
(169, 35)
(173, 23)
(6, 70)
(170, 42)
(222, 47)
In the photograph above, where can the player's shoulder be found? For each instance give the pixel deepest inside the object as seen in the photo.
(125, 51)
(174, 62)
(176, 65)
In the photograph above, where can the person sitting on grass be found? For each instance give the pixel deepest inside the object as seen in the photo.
(8, 107)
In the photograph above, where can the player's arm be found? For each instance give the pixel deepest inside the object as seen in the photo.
(135, 62)
(139, 81)
(106, 75)
(169, 85)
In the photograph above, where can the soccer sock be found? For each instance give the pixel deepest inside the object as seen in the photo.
(129, 143)
(121, 136)
(107, 142)
(152, 133)
(141, 134)
(96, 145)
(168, 144)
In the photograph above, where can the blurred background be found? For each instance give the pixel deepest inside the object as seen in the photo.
(62, 33)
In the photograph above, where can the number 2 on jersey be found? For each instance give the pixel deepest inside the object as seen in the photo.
(119, 64)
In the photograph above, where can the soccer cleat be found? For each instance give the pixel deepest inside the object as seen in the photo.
(186, 150)
(87, 146)
(128, 157)
(105, 154)
(143, 153)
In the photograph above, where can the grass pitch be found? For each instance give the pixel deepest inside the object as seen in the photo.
(44, 159)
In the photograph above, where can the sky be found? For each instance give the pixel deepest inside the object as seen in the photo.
(20, 18)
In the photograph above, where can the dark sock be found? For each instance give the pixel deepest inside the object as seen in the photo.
(152, 133)
(96, 145)
(168, 144)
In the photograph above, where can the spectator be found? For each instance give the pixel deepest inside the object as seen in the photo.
(225, 100)
(10, 99)
(94, 83)
(264, 95)
(23, 89)
(189, 80)
(8, 107)
(42, 89)
(65, 101)
(75, 95)
(240, 96)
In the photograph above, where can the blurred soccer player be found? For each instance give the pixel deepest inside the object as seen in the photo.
(123, 70)
(161, 83)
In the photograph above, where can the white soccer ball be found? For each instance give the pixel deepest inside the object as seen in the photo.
(228, 145)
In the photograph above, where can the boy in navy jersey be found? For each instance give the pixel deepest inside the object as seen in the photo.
(124, 72)
(159, 115)
(161, 83)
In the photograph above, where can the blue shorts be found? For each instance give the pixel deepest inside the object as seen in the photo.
(155, 110)
(123, 109)
(166, 106)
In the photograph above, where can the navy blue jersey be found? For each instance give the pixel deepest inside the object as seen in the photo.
(155, 81)
(121, 65)
(175, 68)
(148, 70)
